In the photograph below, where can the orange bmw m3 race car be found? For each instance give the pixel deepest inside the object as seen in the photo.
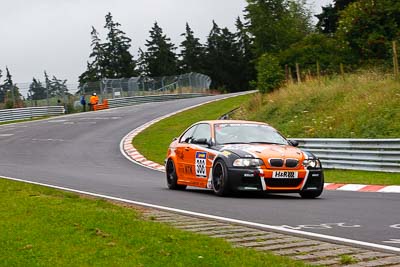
(230, 156)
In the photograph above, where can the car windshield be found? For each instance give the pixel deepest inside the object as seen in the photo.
(242, 133)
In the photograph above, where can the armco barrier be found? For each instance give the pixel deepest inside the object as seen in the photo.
(29, 113)
(356, 154)
(135, 100)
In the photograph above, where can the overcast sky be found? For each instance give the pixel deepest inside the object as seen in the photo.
(54, 35)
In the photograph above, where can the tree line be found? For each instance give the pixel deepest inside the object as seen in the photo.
(10, 96)
(225, 56)
(274, 36)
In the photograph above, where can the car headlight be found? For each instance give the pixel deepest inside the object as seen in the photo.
(248, 163)
(312, 163)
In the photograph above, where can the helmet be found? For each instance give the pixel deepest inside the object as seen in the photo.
(94, 93)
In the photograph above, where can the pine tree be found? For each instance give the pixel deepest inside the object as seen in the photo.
(48, 86)
(95, 70)
(8, 82)
(223, 59)
(246, 55)
(118, 60)
(141, 64)
(111, 59)
(160, 55)
(58, 87)
(37, 90)
(329, 18)
(12, 95)
(2, 91)
(192, 53)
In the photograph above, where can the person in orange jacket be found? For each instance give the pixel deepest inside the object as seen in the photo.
(94, 100)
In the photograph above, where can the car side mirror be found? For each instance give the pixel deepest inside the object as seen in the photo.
(174, 139)
(294, 143)
(201, 141)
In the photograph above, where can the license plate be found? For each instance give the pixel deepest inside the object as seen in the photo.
(285, 175)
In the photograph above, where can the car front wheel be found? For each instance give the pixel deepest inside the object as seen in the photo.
(220, 178)
(172, 177)
(313, 194)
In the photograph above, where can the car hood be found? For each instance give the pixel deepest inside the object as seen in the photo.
(264, 151)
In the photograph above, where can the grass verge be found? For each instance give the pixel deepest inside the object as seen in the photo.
(362, 177)
(46, 227)
(16, 121)
(362, 105)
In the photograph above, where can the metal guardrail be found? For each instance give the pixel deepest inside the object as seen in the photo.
(29, 113)
(135, 100)
(356, 154)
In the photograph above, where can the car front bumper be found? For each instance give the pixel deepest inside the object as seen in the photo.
(242, 179)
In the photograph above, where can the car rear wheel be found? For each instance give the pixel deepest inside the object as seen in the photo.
(172, 177)
(220, 178)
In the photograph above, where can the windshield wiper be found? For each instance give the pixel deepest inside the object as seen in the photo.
(234, 143)
(268, 143)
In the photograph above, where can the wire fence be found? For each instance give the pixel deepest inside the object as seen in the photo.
(38, 94)
(143, 85)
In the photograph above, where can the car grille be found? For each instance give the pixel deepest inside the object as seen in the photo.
(289, 163)
(271, 182)
(276, 162)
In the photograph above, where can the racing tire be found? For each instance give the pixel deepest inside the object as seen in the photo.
(172, 177)
(313, 194)
(310, 194)
(220, 179)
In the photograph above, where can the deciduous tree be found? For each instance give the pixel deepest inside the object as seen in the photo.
(369, 27)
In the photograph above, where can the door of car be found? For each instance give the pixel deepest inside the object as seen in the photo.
(184, 169)
(197, 155)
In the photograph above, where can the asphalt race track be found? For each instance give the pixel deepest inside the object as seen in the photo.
(81, 152)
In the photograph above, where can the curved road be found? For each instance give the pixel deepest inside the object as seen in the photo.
(81, 152)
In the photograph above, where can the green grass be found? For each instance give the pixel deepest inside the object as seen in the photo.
(46, 227)
(16, 121)
(154, 141)
(347, 259)
(361, 177)
(362, 105)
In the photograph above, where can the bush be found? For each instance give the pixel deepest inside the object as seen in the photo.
(269, 73)
(317, 48)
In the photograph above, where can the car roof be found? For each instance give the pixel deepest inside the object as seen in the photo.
(232, 121)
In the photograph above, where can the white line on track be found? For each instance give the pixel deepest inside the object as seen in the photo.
(224, 219)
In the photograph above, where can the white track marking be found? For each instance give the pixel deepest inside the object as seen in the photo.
(351, 187)
(223, 219)
(391, 189)
(6, 135)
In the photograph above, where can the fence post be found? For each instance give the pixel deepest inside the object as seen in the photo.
(318, 71)
(190, 82)
(342, 70)
(290, 76)
(47, 95)
(298, 73)
(395, 61)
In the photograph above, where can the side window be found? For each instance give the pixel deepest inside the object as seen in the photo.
(202, 131)
(187, 136)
